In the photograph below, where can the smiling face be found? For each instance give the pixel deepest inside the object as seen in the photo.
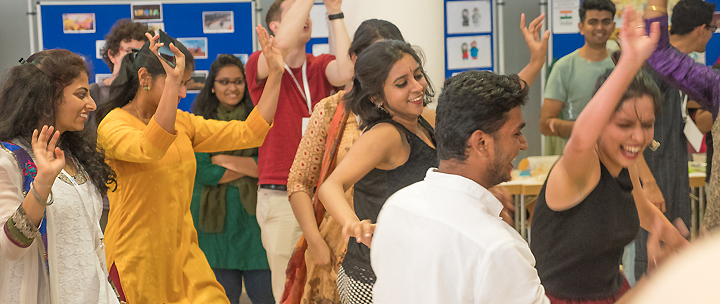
(72, 111)
(630, 130)
(404, 90)
(229, 86)
(597, 27)
(507, 142)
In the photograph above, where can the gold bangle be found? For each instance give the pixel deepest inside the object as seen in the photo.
(658, 9)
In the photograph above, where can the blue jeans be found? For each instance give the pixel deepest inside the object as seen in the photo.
(258, 284)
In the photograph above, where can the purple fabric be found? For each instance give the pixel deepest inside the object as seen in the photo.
(701, 82)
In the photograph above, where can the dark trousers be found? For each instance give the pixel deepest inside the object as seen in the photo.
(258, 284)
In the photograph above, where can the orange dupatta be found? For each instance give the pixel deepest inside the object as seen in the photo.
(296, 273)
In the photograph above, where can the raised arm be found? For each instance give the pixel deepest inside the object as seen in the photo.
(167, 107)
(537, 47)
(339, 71)
(697, 80)
(274, 62)
(377, 148)
(579, 167)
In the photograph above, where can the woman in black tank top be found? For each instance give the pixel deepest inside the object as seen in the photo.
(592, 203)
(389, 94)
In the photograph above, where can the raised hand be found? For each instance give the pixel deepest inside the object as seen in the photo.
(634, 42)
(538, 46)
(271, 52)
(333, 6)
(49, 159)
(175, 74)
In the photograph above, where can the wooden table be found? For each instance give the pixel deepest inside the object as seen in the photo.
(531, 186)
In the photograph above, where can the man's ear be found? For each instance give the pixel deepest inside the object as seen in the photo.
(480, 143)
(274, 27)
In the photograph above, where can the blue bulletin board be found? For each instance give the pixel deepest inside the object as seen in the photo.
(469, 36)
(566, 43)
(181, 19)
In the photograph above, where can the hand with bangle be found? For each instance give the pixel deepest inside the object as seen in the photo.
(49, 161)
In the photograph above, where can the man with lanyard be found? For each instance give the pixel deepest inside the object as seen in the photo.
(664, 172)
(306, 81)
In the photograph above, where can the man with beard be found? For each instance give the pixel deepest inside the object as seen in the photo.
(441, 240)
(572, 79)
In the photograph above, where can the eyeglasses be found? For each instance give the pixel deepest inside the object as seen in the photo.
(713, 28)
(228, 81)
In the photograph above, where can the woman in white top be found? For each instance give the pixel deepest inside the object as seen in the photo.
(51, 179)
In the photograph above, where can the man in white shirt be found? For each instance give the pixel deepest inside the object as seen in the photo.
(442, 240)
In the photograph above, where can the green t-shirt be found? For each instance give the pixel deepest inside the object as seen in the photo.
(239, 245)
(572, 81)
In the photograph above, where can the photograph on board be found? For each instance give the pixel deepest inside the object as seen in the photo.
(197, 81)
(198, 47)
(218, 22)
(465, 17)
(146, 11)
(155, 26)
(78, 23)
(101, 77)
(470, 52)
(242, 57)
(99, 45)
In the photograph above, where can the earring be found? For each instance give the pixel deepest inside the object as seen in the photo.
(380, 106)
(654, 145)
(146, 88)
(213, 91)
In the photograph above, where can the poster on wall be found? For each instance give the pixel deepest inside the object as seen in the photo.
(101, 77)
(242, 57)
(78, 23)
(468, 17)
(99, 45)
(146, 11)
(197, 81)
(565, 16)
(155, 26)
(469, 52)
(319, 21)
(198, 47)
(218, 22)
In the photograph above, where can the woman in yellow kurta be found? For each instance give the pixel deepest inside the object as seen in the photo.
(152, 246)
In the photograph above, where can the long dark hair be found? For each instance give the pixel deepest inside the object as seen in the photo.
(206, 101)
(372, 30)
(126, 85)
(371, 70)
(30, 94)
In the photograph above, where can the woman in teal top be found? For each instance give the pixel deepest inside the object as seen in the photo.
(225, 191)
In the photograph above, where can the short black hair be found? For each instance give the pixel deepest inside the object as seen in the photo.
(370, 31)
(689, 14)
(600, 5)
(641, 85)
(471, 101)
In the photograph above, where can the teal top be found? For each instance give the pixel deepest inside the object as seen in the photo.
(239, 245)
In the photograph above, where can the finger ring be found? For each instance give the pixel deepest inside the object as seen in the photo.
(640, 26)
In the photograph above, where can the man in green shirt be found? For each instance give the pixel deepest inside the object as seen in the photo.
(572, 80)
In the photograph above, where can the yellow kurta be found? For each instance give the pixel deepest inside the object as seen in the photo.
(150, 234)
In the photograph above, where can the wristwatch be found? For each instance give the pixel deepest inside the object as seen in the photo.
(339, 15)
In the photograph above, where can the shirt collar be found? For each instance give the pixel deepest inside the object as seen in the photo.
(457, 184)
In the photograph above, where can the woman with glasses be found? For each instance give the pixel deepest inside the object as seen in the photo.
(225, 192)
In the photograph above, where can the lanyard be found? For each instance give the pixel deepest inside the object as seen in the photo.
(306, 92)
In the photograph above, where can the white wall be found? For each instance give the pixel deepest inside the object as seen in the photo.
(420, 21)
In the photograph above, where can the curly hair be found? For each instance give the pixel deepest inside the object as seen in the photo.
(123, 30)
(371, 70)
(29, 97)
(471, 101)
(206, 102)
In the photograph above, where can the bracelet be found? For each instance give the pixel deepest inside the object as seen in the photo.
(658, 9)
(39, 199)
(339, 15)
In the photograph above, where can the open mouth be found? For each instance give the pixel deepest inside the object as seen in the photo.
(630, 151)
(417, 100)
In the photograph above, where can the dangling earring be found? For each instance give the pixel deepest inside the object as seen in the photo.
(654, 145)
(380, 106)
(212, 91)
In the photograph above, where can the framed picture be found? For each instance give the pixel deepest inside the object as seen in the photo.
(197, 81)
(99, 45)
(78, 23)
(465, 17)
(146, 12)
(101, 77)
(218, 22)
(242, 57)
(198, 47)
(469, 52)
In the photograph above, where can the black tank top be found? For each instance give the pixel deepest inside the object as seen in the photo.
(578, 251)
(374, 188)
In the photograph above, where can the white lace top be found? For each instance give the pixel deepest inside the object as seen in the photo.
(78, 273)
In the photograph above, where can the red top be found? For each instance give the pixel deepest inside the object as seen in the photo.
(278, 151)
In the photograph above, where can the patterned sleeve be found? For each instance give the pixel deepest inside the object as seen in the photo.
(17, 232)
(305, 169)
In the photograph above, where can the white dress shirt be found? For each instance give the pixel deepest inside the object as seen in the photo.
(441, 240)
